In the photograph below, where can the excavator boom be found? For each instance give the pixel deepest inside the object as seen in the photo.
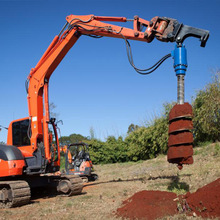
(163, 29)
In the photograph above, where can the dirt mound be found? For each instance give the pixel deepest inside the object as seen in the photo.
(205, 202)
(148, 205)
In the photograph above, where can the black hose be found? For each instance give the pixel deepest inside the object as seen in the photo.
(128, 46)
(143, 71)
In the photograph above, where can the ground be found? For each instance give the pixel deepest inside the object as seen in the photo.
(118, 182)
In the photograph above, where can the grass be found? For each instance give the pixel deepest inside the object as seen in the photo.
(117, 182)
(178, 187)
(217, 149)
(207, 148)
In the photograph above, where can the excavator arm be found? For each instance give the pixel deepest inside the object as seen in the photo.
(163, 29)
(31, 150)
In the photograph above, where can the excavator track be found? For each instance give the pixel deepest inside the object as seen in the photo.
(17, 193)
(14, 193)
(70, 185)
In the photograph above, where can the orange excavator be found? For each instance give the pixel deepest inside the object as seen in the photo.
(30, 158)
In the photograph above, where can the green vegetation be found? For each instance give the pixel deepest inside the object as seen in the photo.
(62, 161)
(149, 141)
(217, 149)
(112, 151)
(73, 138)
(206, 108)
(179, 188)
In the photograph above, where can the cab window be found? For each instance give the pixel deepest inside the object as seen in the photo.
(20, 133)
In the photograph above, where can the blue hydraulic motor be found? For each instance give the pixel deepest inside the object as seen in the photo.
(180, 65)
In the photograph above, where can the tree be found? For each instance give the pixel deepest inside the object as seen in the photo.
(206, 108)
(132, 128)
(147, 142)
(92, 133)
(53, 114)
(112, 151)
(97, 151)
(116, 150)
(73, 138)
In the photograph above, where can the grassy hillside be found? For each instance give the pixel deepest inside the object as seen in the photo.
(119, 181)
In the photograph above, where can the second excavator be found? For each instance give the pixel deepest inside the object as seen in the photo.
(78, 161)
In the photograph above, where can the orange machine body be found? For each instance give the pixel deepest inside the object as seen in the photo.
(78, 161)
(40, 154)
(85, 165)
(11, 168)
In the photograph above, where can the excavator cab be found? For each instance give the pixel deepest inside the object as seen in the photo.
(19, 133)
(78, 161)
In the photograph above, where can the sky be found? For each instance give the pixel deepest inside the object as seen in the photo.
(95, 86)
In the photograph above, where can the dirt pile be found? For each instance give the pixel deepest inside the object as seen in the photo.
(205, 202)
(148, 205)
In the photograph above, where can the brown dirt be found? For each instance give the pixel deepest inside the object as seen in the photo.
(179, 125)
(177, 152)
(148, 205)
(185, 137)
(180, 135)
(205, 202)
(181, 111)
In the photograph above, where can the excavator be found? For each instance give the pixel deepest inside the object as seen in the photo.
(30, 158)
(78, 161)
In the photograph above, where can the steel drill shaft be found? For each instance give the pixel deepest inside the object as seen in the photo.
(180, 90)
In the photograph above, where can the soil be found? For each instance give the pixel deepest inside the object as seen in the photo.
(180, 125)
(205, 202)
(148, 205)
(184, 110)
(185, 137)
(180, 135)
